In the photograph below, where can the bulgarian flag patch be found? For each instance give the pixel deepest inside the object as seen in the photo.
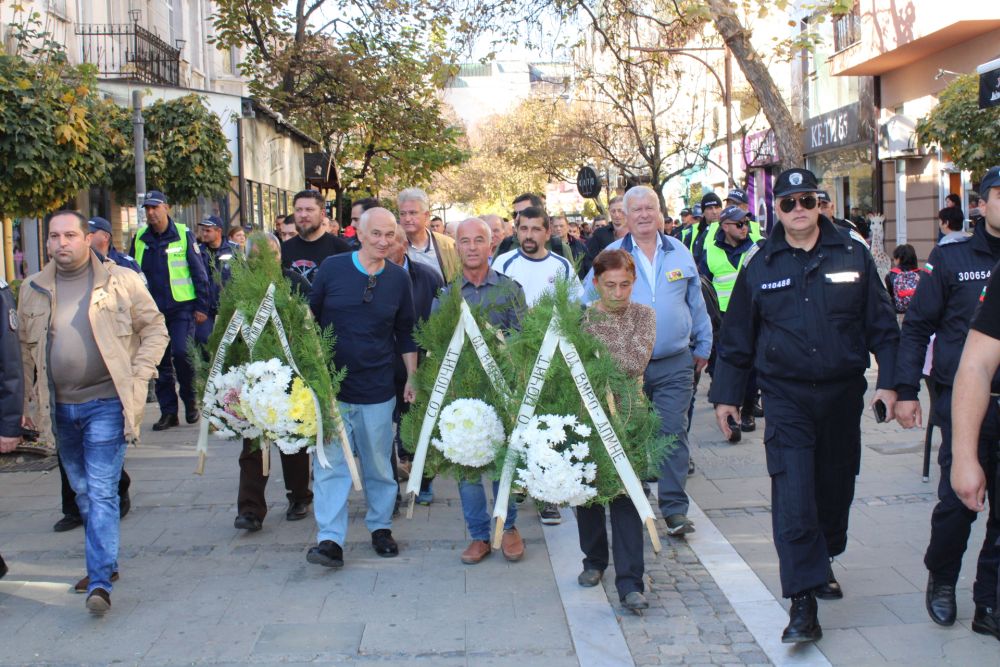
(982, 295)
(929, 267)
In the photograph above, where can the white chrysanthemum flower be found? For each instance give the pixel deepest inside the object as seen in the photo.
(470, 432)
(554, 475)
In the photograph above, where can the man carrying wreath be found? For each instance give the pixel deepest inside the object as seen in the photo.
(369, 304)
(503, 303)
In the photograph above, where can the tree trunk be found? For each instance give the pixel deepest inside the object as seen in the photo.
(787, 133)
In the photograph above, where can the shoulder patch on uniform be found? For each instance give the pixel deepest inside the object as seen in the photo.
(858, 237)
(754, 249)
(12, 319)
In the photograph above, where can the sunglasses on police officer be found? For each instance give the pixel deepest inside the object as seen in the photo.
(738, 225)
(808, 202)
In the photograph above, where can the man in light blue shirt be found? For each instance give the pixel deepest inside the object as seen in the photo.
(667, 281)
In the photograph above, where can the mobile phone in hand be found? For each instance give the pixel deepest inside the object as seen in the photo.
(878, 407)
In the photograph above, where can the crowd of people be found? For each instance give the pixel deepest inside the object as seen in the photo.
(783, 320)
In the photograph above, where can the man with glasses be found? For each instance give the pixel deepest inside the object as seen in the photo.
(720, 263)
(369, 303)
(807, 308)
(426, 246)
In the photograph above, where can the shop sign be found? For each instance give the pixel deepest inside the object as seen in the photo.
(760, 149)
(839, 127)
(588, 183)
(898, 138)
(989, 84)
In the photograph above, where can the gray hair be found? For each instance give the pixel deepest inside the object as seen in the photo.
(639, 192)
(485, 225)
(414, 194)
(262, 237)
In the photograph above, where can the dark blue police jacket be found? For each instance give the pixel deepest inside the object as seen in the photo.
(946, 298)
(805, 317)
(154, 266)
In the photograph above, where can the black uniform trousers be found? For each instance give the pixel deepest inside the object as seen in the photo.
(294, 468)
(812, 439)
(626, 542)
(951, 520)
(69, 507)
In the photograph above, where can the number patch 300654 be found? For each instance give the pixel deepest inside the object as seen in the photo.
(964, 276)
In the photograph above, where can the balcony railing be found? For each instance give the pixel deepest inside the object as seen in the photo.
(129, 51)
(846, 29)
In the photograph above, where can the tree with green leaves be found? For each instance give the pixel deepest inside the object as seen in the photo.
(366, 87)
(968, 135)
(186, 155)
(55, 130)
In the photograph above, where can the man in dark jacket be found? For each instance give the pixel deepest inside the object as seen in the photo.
(11, 380)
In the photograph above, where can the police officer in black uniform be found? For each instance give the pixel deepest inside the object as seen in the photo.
(11, 380)
(806, 310)
(944, 303)
(218, 253)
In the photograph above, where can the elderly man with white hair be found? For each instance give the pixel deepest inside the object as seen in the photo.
(425, 246)
(667, 280)
(369, 303)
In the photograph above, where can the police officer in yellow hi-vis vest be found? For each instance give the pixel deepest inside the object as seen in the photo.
(721, 263)
(172, 263)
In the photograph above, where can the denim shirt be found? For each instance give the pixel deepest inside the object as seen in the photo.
(682, 320)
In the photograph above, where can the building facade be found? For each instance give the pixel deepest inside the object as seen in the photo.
(911, 55)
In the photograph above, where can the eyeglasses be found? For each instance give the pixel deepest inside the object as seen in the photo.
(787, 204)
(369, 290)
(738, 225)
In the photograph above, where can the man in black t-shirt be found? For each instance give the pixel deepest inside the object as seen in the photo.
(305, 252)
(971, 400)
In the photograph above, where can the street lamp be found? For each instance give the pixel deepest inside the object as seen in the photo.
(725, 86)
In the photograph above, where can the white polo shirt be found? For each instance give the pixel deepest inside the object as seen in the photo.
(536, 276)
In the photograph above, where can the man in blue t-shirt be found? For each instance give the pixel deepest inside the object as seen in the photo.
(369, 303)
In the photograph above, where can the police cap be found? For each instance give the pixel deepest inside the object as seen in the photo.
(990, 180)
(99, 224)
(711, 199)
(792, 181)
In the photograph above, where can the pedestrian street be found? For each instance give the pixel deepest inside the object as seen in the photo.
(194, 590)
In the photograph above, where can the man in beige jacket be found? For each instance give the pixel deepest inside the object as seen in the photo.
(425, 246)
(91, 337)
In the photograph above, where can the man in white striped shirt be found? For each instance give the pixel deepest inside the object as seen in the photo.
(532, 265)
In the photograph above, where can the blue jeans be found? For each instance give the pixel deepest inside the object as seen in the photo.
(369, 430)
(477, 519)
(91, 441)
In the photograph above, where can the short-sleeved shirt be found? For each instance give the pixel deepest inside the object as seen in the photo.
(537, 276)
(987, 317)
(304, 257)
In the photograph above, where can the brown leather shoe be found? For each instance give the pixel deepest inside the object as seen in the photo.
(512, 545)
(99, 601)
(82, 585)
(475, 552)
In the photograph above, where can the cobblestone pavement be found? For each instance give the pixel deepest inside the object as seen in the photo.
(881, 619)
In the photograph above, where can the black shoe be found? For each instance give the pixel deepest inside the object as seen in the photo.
(550, 515)
(831, 590)
(635, 601)
(734, 430)
(748, 424)
(297, 510)
(383, 543)
(166, 421)
(589, 577)
(803, 622)
(248, 522)
(191, 415)
(68, 522)
(3, 567)
(124, 505)
(940, 601)
(690, 466)
(986, 621)
(758, 411)
(327, 553)
(678, 525)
